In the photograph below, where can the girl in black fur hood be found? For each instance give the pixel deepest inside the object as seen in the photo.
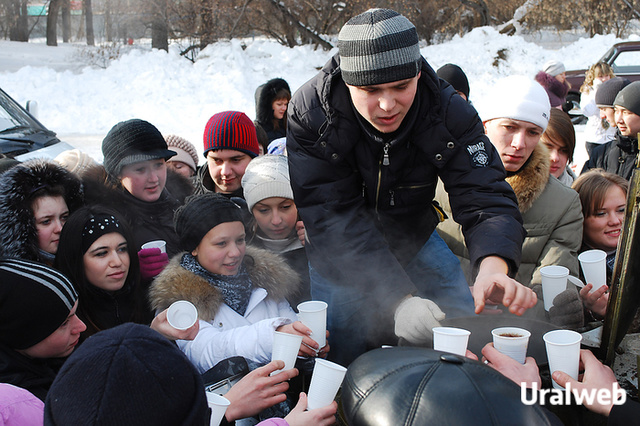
(36, 197)
(272, 99)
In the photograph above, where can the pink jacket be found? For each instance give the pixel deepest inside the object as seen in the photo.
(19, 407)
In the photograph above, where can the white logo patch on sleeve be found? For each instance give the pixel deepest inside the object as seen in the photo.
(478, 155)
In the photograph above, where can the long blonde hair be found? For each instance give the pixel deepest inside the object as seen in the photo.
(599, 69)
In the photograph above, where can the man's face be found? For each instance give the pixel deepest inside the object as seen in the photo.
(607, 113)
(628, 122)
(515, 140)
(384, 106)
(226, 167)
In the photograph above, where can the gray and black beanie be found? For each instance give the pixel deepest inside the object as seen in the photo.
(629, 97)
(130, 142)
(607, 91)
(378, 46)
(34, 301)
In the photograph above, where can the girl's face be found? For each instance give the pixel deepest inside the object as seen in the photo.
(279, 107)
(145, 180)
(106, 263)
(222, 249)
(276, 217)
(50, 214)
(61, 342)
(602, 229)
(559, 155)
(181, 168)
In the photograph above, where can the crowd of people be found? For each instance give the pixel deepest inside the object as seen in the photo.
(376, 187)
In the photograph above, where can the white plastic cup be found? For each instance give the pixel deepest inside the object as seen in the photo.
(512, 341)
(325, 381)
(161, 244)
(451, 339)
(563, 352)
(554, 282)
(182, 315)
(285, 348)
(218, 405)
(313, 314)
(594, 267)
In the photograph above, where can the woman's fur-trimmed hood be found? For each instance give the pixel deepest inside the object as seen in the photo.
(266, 269)
(265, 95)
(529, 182)
(18, 232)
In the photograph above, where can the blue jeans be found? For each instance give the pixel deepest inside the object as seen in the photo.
(352, 319)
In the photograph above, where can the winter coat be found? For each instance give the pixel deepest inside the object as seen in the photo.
(18, 232)
(556, 91)
(265, 95)
(567, 177)
(617, 156)
(552, 216)
(595, 130)
(366, 219)
(19, 407)
(148, 220)
(223, 332)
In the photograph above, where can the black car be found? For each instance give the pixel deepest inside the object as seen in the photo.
(22, 136)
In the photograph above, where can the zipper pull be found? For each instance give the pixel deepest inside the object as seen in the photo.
(385, 159)
(392, 202)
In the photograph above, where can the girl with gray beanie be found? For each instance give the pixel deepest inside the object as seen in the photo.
(240, 292)
(267, 190)
(38, 324)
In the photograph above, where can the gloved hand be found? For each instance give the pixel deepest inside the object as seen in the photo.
(152, 262)
(567, 310)
(415, 317)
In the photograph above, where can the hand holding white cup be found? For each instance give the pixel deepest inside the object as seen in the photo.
(563, 352)
(161, 244)
(554, 282)
(313, 314)
(182, 315)
(325, 381)
(511, 341)
(285, 348)
(594, 267)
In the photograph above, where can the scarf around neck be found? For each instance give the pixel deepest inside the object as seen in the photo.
(235, 289)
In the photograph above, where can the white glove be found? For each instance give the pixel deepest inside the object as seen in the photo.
(415, 317)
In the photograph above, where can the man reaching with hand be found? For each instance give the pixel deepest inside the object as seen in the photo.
(367, 139)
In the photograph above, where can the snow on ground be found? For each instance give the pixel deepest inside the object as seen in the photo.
(81, 101)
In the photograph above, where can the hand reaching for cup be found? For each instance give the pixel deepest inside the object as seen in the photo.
(162, 326)
(309, 347)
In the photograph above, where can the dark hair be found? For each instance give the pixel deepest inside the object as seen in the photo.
(70, 261)
(560, 130)
(263, 138)
(592, 187)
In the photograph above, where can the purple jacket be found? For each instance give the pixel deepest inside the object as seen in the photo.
(19, 407)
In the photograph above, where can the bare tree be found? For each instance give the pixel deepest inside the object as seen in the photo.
(65, 6)
(17, 19)
(52, 22)
(88, 16)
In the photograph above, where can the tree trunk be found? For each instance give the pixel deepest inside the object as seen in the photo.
(511, 27)
(159, 30)
(52, 23)
(479, 6)
(107, 21)
(19, 30)
(66, 20)
(88, 15)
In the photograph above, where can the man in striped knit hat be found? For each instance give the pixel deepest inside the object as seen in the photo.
(368, 138)
(230, 142)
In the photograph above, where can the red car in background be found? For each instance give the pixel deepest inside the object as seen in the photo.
(624, 58)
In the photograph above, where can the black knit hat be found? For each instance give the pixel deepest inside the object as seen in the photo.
(629, 97)
(419, 386)
(378, 46)
(607, 91)
(454, 75)
(130, 142)
(200, 214)
(34, 301)
(127, 375)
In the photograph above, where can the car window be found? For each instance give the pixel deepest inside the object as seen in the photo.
(13, 116)
(627, 62)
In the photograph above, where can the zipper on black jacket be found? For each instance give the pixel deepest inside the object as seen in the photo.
(385, 158)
